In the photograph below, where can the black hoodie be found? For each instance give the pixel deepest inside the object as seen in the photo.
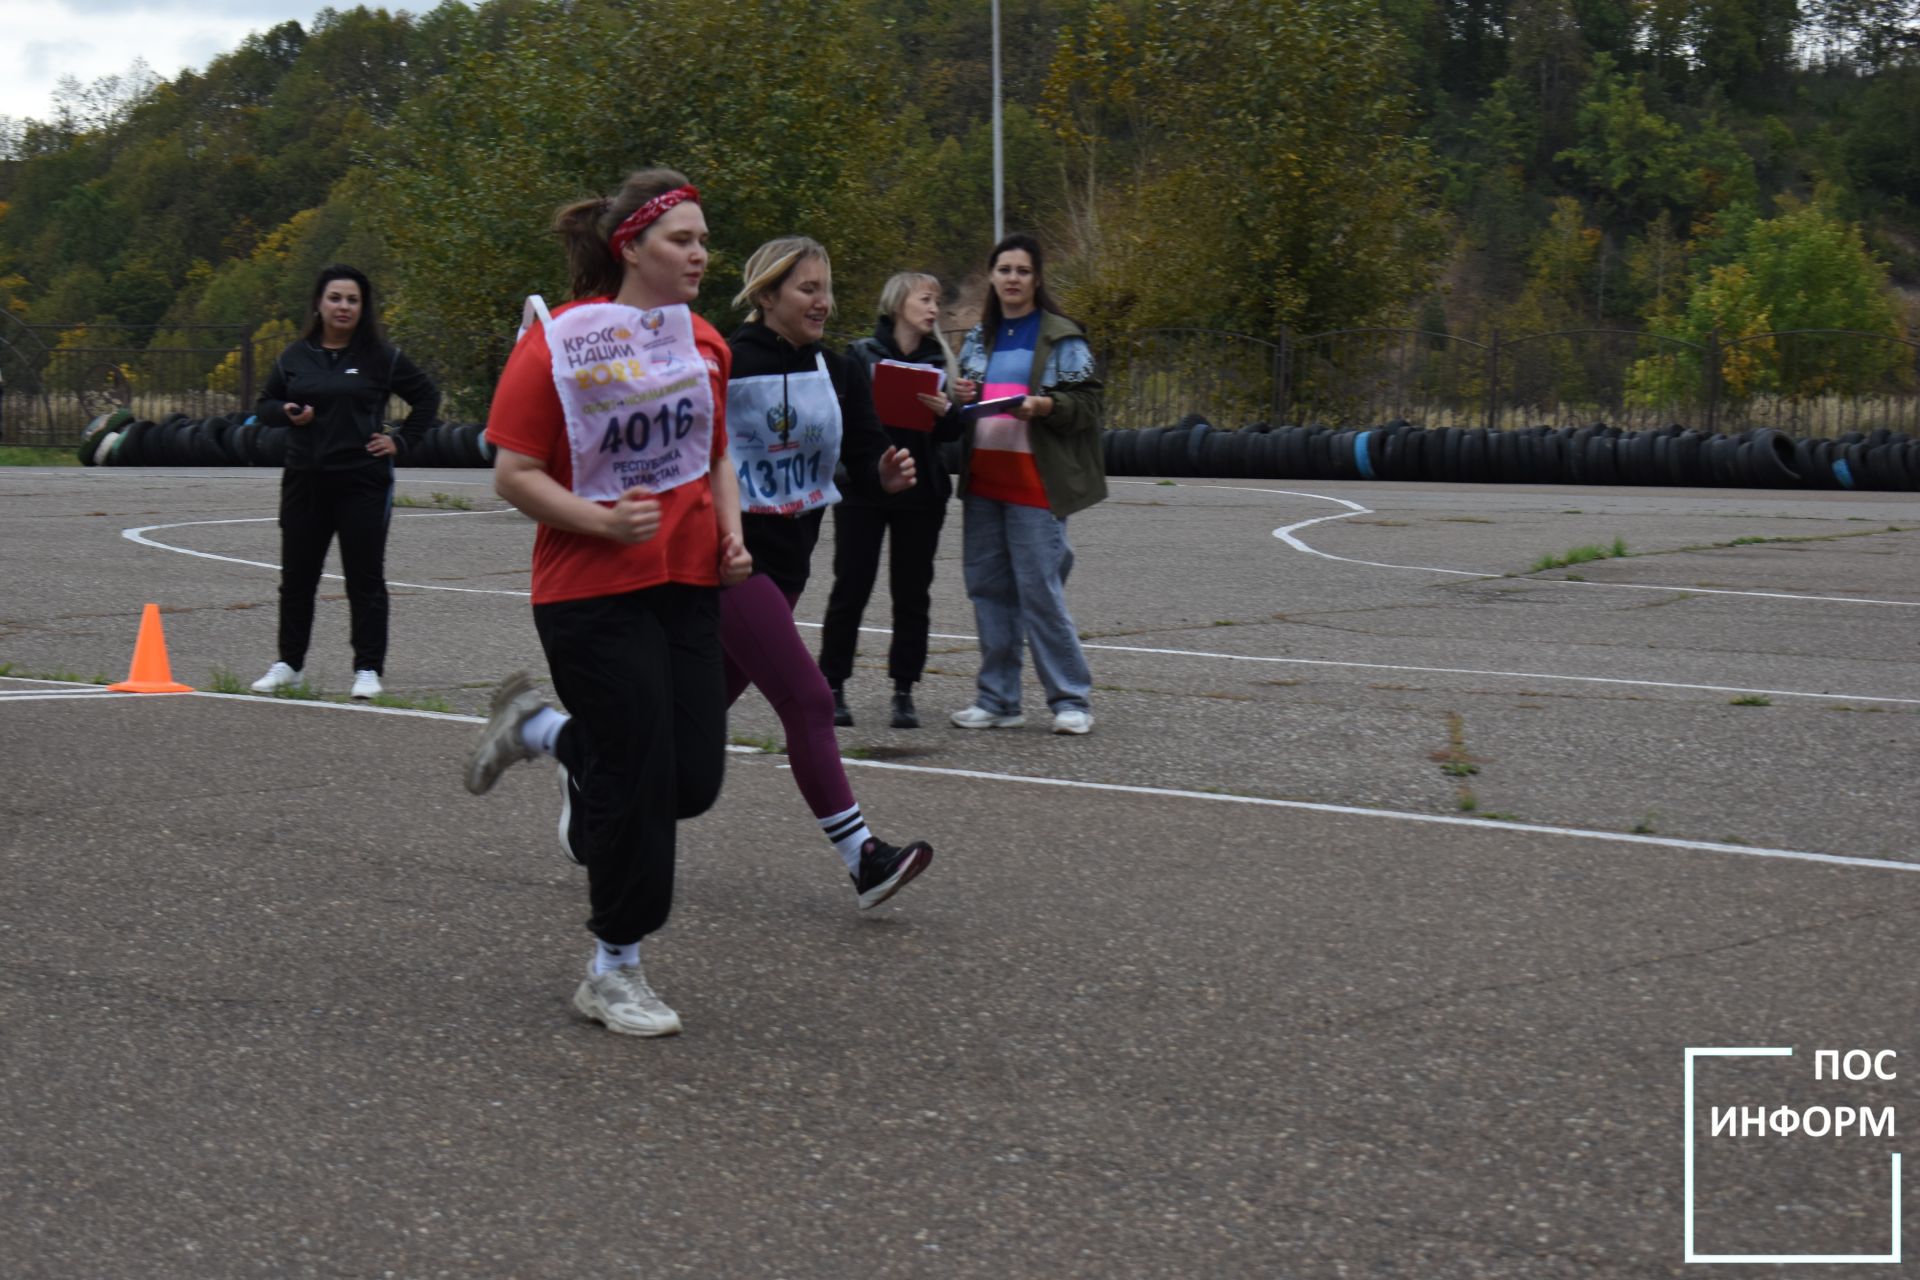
(348, 390)
(782, 546)
(933, 486)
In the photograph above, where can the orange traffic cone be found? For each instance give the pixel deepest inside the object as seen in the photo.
(151, 672)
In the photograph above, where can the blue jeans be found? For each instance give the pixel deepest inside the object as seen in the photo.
(1017, 561)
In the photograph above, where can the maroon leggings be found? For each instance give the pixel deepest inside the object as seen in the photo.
(764, 649)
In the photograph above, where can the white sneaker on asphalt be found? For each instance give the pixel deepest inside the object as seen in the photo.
(499, 745)
(981, 718)
(366, 684)
(622, 1001)
(279, 676)
(1073, 720)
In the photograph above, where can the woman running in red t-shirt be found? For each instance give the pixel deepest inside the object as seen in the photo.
(610, 420)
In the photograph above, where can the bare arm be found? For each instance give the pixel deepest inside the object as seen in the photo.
(523, 481)
(726, 499)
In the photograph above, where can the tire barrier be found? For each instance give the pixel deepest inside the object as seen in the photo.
(118, 439)
(1762, 458)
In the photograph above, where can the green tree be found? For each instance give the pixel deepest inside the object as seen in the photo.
(1803, 269)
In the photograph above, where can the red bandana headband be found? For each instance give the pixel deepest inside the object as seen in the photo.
(643, 217)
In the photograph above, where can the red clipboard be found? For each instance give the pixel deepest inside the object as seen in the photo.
(896, 388)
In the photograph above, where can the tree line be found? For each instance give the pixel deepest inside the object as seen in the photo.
(1678, 166)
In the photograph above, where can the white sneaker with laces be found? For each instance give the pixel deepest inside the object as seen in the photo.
(981, 718)
(1073, 720)
(622, 1001)
(366, 684)
(279, 676)
(499, 745)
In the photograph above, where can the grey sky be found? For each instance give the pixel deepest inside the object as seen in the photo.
(92, 38)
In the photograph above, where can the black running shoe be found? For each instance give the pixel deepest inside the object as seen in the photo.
(904, 716)
(885, 870)
(573, 818)
(842, 713)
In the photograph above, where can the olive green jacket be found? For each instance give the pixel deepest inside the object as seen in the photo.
(1066, 443)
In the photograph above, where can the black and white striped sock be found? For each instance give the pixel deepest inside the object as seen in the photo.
(848, 831)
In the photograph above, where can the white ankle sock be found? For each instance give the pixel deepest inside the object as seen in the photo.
(848, 831)
(607, 957)
(538, 731)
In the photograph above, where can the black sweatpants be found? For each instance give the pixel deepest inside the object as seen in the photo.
(858, 530)
(315, 505)
(641, 674)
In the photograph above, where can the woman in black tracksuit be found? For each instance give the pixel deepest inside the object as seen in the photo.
(907, 330)
(330, 388)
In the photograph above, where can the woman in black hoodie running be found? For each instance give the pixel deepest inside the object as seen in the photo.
(794, 411)
(331, 387)
(907, 331)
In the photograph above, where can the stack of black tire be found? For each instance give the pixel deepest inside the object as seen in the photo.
(118, 439)
(1762, 458)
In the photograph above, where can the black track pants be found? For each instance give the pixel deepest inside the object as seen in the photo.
(356, 505)
(641, 674)
(857, 534)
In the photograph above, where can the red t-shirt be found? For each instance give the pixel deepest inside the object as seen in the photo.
(526, 418)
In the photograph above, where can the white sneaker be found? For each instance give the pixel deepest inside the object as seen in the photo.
(366, 684)
(1073, 720)
(623, 1002)
(981, 718)
(279, 676)
(499, 744)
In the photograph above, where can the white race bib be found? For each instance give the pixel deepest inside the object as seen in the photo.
(783, 432)
(637, 397)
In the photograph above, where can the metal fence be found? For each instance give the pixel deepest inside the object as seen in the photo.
(58, 378)
(1812, 382)
(1809, 382)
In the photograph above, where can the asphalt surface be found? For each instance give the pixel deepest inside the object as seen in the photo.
(1363, 937)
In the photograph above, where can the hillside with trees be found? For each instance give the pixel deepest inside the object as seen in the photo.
(1666, 166)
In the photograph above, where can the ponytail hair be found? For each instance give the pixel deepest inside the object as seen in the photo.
(586, 228)
(770, 266)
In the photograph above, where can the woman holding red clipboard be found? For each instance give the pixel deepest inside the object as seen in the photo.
(905, 355)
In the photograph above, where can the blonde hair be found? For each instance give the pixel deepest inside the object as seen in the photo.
(770, 266)
(586, 227)
(894, 294)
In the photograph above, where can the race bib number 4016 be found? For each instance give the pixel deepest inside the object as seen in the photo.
(637, 397)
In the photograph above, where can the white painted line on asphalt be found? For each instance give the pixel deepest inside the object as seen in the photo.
(139, 536)
(1399, 815)
(1285, 534)
(99, 694)
(1171, 793)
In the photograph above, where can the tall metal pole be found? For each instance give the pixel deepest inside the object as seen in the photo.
(999, 171)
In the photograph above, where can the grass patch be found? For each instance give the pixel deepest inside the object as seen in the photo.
(63, 677)
(225, 681)
(1752, 700)
(1459, 769)
(1225, 622)
(770, 746)
(443, 501)
(429, 702)
(1644, 827)
(1468, 801)
(302, 692)
(1579, 555)
(29, 455)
